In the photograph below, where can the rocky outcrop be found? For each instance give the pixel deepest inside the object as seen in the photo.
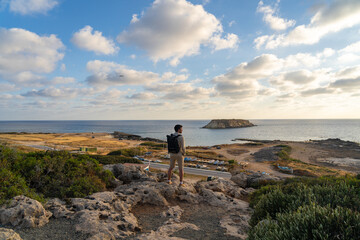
(267, 154)
(126, 136)
(251, 179)
(108, 215)
(228, 123)
(9, 234)
(171, 226)
(24, 212)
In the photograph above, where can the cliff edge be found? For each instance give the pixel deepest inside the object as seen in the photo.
(228, 123)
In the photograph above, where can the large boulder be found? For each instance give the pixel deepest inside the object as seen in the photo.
(9, 234)
(225, 186)
(58, 208)
(24, 212)
(106, 224)
(252, 179)
(171, 226)
(240, 179)
(131, 173)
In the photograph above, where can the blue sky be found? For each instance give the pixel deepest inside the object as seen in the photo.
(179, 59)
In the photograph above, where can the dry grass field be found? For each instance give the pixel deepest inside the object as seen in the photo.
(67, 141)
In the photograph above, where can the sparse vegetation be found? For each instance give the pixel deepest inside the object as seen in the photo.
(154, 145)
(206, 155)
(129, 152)
(113, 159)
(301, 168)
(307, 208)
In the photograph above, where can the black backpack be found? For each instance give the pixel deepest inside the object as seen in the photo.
(173, 143)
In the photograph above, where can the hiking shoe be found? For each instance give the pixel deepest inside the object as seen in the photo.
(169, 182)
(182, 185)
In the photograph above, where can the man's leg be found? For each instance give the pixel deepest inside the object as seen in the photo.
(169, 173)
(181, 168)
(171, 167)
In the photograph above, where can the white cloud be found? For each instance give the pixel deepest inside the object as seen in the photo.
(142, 96)
(87, 40)
(196, 93)
(62, 80)
(180, 91)
(63, 67)
(348, 57)
(52, 92)
(22, 50)
(299, 77)
(350, 72)
(352, 48)
(26, 7)
(5, 87)
(241, 82)
(350, 53)
(339, 15)
(230, 41)
(172, 29)
(275, 22)
(110, 73)
(317, 91)
(170, 87)
(23, 54)
(352, 84)
(133, 56)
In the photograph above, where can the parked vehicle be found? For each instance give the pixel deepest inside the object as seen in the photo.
(216, 162)
(158, 161)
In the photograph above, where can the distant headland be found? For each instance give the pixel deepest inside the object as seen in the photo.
(228, 123)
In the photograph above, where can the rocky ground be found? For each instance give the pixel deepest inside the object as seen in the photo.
(143, 206)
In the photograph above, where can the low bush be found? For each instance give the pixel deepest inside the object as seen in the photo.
(113, 159)
(310, 222)
(154, 145)
(12, 185)
(50, 174)
(287, 199)
(114, 153)
(129, 152)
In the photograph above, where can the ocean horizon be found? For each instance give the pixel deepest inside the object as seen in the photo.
(195, 135)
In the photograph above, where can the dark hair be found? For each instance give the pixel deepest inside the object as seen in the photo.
(177, 127)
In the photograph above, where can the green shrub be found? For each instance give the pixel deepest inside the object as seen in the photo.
(51, 174)
(12, 185)
(291, 194)
(154, 145)
(310, 222)
(116, 153)
(129, 152)
(113, 159)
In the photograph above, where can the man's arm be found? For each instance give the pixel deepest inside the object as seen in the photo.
(182, 144)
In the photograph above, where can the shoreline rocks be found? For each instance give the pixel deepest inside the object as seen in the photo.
(228, 123)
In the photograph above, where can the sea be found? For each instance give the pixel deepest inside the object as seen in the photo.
(195, 135)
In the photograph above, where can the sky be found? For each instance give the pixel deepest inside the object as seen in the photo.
(179, 59)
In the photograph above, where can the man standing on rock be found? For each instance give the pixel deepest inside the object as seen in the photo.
(177, 156)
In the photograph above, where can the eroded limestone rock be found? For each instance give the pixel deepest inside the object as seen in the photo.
(24, 212)
(9, 234)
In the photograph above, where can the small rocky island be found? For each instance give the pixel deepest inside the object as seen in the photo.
(228, 123)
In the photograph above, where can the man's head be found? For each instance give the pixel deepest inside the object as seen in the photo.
(178, 128)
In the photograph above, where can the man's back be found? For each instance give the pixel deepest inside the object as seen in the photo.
(181, 142)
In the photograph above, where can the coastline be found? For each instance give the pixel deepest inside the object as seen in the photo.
(333, 156)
